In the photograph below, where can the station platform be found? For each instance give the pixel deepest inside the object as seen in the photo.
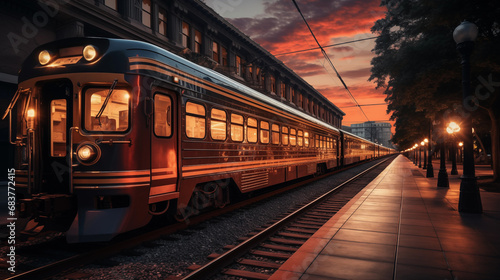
(401, 226)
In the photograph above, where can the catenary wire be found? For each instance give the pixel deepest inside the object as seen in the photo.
(329, 61)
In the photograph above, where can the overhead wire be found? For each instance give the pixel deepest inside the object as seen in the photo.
(325, 55)
(376, 104)
(328, 46)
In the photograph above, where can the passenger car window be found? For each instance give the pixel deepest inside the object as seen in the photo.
(293, 137)
(236, 127)
(218, 124)
(58, 128)
(275, 137)
(284, 135)
(163, 116)
(195, 120)
(252, 130)
(264, 132)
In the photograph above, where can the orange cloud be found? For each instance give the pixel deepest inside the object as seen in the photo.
(281, 29)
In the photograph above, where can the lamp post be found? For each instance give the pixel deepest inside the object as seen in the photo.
(453, 128)
(430, 168)
(442, 175)
(460, 151)
(419, 157)
(469, 200)
(425, 154)
(416, 155)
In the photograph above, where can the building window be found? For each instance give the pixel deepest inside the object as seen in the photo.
(275, 137)
(215, 52)
(252, 130)
(146, 12)
(110, 3)
(243, 68)
(257, 76)
(283, 90)
(195, 120)
(272, 84)
(238, 65)
(186, 39)
(197, 41)
(292, 94)
(264, 132)
(236, 127)
(306, 139)
(218, 124)
(300, 100)
(162, 22)
(223, 53)
(260, 77)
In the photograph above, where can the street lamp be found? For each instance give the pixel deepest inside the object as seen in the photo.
(430, 168)
(469, 200)
(415, 159)
(419, 157)
(425, 154)
(453, 128)
(443, 181)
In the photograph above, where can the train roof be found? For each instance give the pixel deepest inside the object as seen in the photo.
(115, 59)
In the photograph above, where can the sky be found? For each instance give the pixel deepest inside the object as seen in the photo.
(278, 27)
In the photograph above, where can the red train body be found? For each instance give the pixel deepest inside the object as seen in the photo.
(116, 131)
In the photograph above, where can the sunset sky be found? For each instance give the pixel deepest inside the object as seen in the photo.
(277, 26)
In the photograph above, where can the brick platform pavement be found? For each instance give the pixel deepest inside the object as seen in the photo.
(401, 226)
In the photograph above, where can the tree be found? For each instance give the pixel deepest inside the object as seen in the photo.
(418, 66)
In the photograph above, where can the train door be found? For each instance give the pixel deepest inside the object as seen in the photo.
(163, 147)
(342, 149)
(55, 118)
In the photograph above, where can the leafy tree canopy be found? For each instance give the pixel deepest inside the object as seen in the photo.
(417, 62)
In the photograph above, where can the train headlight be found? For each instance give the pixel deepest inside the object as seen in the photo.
(88, 153)
(89, 52)
(44, 57)
(85, 153)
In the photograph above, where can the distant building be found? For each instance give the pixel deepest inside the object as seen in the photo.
(346, 128)
(378, 132)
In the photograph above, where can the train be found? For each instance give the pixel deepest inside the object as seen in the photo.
(110, 133)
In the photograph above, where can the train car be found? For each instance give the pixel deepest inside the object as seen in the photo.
(111, 132)
(356, 149)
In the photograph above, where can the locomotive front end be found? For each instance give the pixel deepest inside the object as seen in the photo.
(70, 121)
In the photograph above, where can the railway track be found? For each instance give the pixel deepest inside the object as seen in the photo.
(262, 253)
(279, 248)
